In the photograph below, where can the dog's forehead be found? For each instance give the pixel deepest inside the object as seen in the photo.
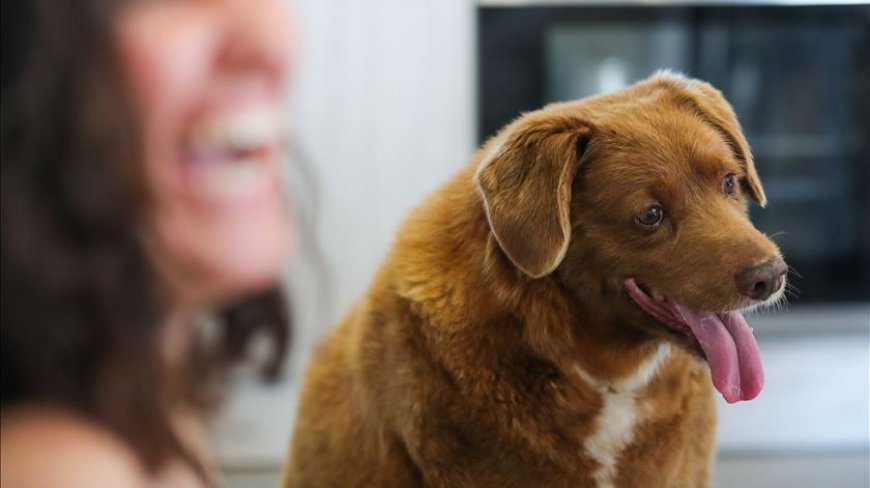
(658, 139)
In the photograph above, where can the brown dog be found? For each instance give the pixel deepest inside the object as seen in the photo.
(544, 318)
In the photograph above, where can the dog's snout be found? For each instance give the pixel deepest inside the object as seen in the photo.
(761, 281)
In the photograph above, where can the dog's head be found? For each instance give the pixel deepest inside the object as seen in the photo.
(638, 200)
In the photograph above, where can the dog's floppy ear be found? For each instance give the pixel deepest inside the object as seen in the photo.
(525, 183)
(711, 105)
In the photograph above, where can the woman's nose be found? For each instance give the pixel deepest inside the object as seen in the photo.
(259, 36)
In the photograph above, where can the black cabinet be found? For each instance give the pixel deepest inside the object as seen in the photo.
(798, 78)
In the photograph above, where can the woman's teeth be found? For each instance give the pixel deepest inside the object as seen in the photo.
(229, 153)
(232, 136)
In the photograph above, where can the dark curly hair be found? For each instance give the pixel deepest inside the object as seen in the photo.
(82, 312)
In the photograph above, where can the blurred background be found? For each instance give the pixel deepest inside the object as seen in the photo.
(393, 96)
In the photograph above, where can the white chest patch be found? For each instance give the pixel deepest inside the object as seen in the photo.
(619, 414)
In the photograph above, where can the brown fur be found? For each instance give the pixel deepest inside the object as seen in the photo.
(457, 368)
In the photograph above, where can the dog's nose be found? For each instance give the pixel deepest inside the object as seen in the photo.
(761, 281)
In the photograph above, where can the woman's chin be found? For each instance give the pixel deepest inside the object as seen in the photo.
(217, 254)
(234, 273)
(224, 269)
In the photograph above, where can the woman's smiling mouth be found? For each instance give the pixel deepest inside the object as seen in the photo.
(230, 155)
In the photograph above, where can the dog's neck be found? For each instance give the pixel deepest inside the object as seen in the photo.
(576, 335)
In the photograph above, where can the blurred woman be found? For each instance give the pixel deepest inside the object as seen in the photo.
(141, 188)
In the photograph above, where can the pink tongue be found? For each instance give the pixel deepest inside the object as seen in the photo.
(731, 350)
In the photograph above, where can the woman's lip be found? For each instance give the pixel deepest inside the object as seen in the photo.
(233, 180)
(231, 155)
(253, 89)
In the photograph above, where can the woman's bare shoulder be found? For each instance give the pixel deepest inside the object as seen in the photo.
(46, 446)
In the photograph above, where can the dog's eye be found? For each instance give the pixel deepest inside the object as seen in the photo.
(651, 217)
(729, 185)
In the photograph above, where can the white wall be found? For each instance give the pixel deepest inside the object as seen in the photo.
(383, 110)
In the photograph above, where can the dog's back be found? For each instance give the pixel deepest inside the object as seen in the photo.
(365, 390)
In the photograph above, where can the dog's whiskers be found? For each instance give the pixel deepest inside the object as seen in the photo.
(778, 234)
(792, 291)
